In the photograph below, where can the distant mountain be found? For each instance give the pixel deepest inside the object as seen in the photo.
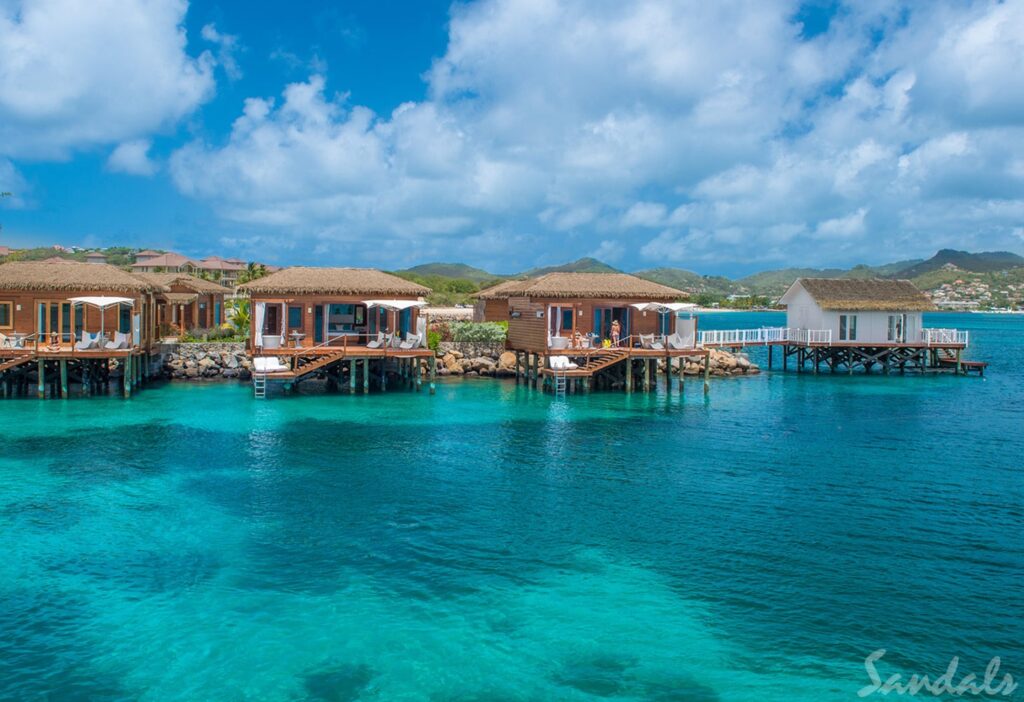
(688, 280)
(460, 271)
(583, 265)
(776, 282)
(984, 262)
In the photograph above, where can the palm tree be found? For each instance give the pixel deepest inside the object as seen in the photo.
(253, 271)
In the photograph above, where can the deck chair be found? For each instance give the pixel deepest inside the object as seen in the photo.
(376, 343)
(562, 363)
(120, 342)
(412, 341)
(5, 342)
(88, 341)
(647, 341)
(676, 342)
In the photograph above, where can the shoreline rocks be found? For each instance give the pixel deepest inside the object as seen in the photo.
(206, 361)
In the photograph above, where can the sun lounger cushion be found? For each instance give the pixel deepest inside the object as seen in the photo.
(376, 343)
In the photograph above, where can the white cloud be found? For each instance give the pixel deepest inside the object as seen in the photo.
(132, 157)
(571, 123)
(76, 74)
(12, 182)
(227, 46)
(645, 214)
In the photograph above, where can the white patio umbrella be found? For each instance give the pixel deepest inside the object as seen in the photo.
(102, 303)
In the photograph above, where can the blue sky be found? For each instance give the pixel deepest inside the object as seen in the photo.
(720, 137)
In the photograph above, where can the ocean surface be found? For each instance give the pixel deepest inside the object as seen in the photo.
(496, 543)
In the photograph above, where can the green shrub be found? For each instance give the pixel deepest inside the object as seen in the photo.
(433, 340)
(479, 332)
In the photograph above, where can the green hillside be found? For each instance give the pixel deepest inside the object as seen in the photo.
(984, 262)
(583, 265)
(688, 280)
(451, 270)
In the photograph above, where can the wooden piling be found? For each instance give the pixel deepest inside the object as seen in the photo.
(707, 373)
(433, 373)
(63, 379)
(366, 375)
(41, 385)
(629, 375)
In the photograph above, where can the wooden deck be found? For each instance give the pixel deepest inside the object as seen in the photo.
(52, 371)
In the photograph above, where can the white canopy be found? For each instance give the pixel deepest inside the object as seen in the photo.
(102, 302)
(394, 305)
(664, 306)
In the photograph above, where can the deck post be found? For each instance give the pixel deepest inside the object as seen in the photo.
(517, 368)
(352, 375)
(629, 374)
(959, 366)
(668, 373)
(769, 356)
(432, 363)
(41, 387)
(707, 373)
(63, 379)
(366, 375)
(647, 375)
(126, 375)
(682, 367)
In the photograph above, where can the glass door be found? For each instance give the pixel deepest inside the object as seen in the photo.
(56, 317)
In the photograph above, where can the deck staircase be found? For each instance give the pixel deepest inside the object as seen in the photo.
(15, 362)
(319, 363)
(604, 358)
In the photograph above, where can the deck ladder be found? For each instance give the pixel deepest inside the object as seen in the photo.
(560, 383)
(259, 385)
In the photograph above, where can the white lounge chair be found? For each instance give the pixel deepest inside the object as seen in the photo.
(5, 342)
(268, 364)
(88, 341)
(676, 342)
(376, 343)
(120, 342)
(649, 341)
(412, 341)
(562, 363)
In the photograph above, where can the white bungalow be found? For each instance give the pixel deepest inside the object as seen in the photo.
(865, 311)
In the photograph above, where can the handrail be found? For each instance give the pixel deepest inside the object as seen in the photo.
(945, 336)
(743, 337)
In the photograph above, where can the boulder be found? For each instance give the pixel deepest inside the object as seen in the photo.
(507, 361)
(481, 364)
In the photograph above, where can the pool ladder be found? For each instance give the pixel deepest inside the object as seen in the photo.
(259, 385)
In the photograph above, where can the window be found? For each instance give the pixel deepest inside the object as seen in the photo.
(847, 327)
(6, 315)
(295, 318)
(567, 314)
(124, 322)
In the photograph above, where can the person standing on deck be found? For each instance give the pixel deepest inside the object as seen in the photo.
(615, 331)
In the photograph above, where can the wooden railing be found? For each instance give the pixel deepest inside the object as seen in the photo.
(811, 336)
(743, 337)
(941, 337)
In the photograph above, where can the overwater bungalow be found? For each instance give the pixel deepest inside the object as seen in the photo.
(186, 302)
(593, 329)
(847, 324)
(64, 322)
(349, 326)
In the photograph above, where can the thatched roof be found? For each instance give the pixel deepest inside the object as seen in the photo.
(179, 298)
(869, 295)
(617, 286)
(333, 281)
(194, 283)
(504, 290)
(62, 275)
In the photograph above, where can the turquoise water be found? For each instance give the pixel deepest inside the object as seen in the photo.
(492, 543)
